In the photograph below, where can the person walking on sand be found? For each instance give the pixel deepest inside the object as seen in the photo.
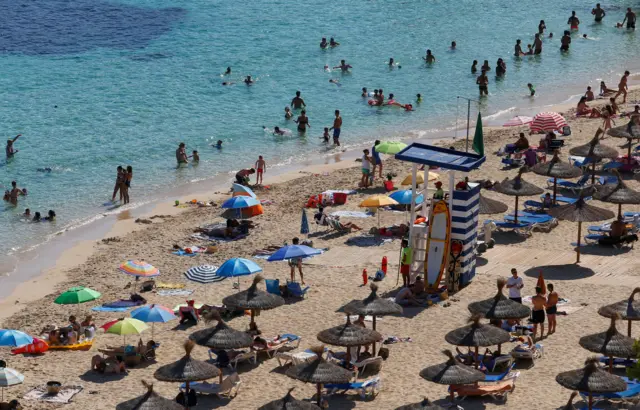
(515, 285)
(297, 101)
(337, 126)
(598, 13)
(630, 18)
(622, 87)
(406, 259)
(483, 82)
(551, 308)
(377, 161)
(9, 150)
(296, 263)
(261, 168)
(537, 312)
(573, 21)
(366, 168)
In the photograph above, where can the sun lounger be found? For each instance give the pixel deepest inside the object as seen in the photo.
(592, 238)
(497, 391)
(570, 185)
(228, 388)
(238, 357)
(295, 358)
(523, 351)
(523, 229)
(579, 162)
(530, 205)
(505, 375)
(522, 215)
(286, 340)
(364, 388)
(541, 222)
(618, 361)
(273, 286)
(296, 290)
(369, 361)
(337, 226)
(633, 391)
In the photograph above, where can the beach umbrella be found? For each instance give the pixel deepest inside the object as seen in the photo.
(540, 283)
(14, 338)
(518, 121)
(488, 206)
(580, 212)
(139, 269)
(149, 401)
(293, 251)
(187, 369)
(377, 201)
(610, 343)
(349, 335)
(595, 151)
(77, 295)
(204, 274)
(556, 169)
(618, 193)
(243, 213)
(419, 178)
(236, 267)
(628, 309)
(499, 307)
(124, 327)
(451, 372)
(304, 223)
(253, 299)
(517, 187)
(241, 190)
(319, 371)
(239, 202)
(423, 405)
(153, 314)
(547, 121)
(477, 335)
(390, 147)
(9, 377)
(220, 336)
(403, 197)
(373, 305)
(629, 131)
(288, 402)
(591, 379)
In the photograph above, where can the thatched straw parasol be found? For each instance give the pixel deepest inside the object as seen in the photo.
(629, 131)
(500, 307)
(556, 169)
(580, 212)
(477, 335)
(423, 405)
(373, 305)
(517, 187)
(618, 193)
(149, 401)
(288, 402)
(349, 335)
(628, 309)
(187, 369)
(591, 379)
(595, 151)
(610, 343)
(488, 206)
(451, 372)
(320, 372)
(253, 299)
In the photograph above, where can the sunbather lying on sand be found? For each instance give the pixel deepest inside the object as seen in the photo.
(406, 298)
(108, 365)
(141, 348)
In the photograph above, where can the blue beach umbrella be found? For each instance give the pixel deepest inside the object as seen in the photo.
(14, 338)
(241, 189)
(293, 251)
(304, 224)
(404, 197)
(236, 267)
(239, 202)
(153, 314)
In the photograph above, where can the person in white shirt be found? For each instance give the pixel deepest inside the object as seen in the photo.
(514, 284)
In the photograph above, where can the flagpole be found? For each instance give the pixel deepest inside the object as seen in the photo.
(469, 100)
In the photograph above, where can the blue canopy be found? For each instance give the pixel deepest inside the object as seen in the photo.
(153, 314)
(238, 202)
(14, 338)
(404, 197)
(238, 267)
(440, 157)
(293, 251)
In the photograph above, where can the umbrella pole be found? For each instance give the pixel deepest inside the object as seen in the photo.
(499, 349)
(555, 188)
(629, 153)
(610, 364)
(516, 219)
(152, 329)
(378, 212)
(186, 396)
(629, 328)
(590, 401)
(220, 375)
(579, 233)
(476, 357)
(320, 395)
(593, 172)
(619, 210)
(451, 395)
(252, 316)
(374, 343)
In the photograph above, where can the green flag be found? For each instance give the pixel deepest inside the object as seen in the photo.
(478, 140)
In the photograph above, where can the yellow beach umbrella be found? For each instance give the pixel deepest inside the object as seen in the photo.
(420, 178)
(376, 201)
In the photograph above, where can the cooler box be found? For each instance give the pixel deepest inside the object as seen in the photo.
(339, 198)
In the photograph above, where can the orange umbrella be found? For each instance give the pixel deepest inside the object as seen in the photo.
(540, 284)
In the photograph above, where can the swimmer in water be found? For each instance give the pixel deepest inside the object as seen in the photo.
(278, 131)
(598, 13)
(364, 92)
(287, 113)
(391, 63)
(474, 66)
(229, 83)
(343, 66)
(195, 156)
(336, 82)
(323, 43)
(37, 217)
(453, 45)
(532, 90)
(297, 102)
(518, 49)
(418, 98)
(46, 169)
(573, 21)
(27, 213)
(584, 36)
(333, 43)
(326, 68)
(550, 35)
(219, 144)
(228, 71)
(248, 80)
(9, 150)
(51, 216)
(429, 58)
(325, 135)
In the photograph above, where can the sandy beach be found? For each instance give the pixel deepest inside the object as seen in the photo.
(603, 276)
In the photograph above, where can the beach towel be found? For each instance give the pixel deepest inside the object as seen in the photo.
(123, 304)
(109, 309)
(561, 301)
(175, 292)
(395, 339)
(204, 237)
(183, 253)
(351, 214)
(367, 240)
(163, 285)
(63, 397)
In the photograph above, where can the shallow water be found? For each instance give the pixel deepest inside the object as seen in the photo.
(93, 85)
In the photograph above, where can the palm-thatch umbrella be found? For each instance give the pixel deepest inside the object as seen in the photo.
(591, 379)
(556, 169)
(349, 335)
(595, 151)
(500, 307)
(517, 187)
(187, 369)
(580, 212)
(288, 402)
(477, 335)
(609, 343)
(373, 305)
(319, 371)
(423, 405)
(253, 299)
(149, 401)
(628, 309)
(488, 206)
(619, 194)
(451, 372)
(630, 131)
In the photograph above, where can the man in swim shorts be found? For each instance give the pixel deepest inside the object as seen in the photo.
(15, 192)
(482, 82)
(181, 154)
(406, 259)
(630, 18)
(599, 13)
(552, 308)
(537, 45)
(565, 41)
(337, 125)
(377, 162)
(297, 101)
(242, 176)
(9, 149)
(622, 87)
(537, 312)
(343, 66)
(261, 168)
(573, 21)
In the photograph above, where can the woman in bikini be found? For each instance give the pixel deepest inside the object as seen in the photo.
(303, 122)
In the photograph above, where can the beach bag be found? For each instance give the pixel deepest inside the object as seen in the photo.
(379, 276)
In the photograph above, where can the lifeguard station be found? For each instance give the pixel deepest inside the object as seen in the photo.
(444, 247)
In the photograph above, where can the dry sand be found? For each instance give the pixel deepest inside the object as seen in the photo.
(335, 278)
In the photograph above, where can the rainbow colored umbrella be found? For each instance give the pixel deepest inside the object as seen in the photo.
(139, 269)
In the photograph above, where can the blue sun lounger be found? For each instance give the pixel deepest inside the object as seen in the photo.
(633, 390)
(364, 388)
(592, 238)
(565, 184)
(532, 219)
(618, 361)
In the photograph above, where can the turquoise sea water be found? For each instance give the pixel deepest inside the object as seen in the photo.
(96, 84)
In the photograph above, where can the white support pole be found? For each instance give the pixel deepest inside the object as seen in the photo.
(425, 193)
(452, 184)
(414, 175)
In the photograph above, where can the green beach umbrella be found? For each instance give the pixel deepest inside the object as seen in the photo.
(390, 147)
(478, 140)
(77, 295)
(125, 326)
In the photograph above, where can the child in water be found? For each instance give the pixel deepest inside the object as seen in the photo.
(219, 144)
(325, 136)
(287, 113)
(418, 98)
(195, 156)
(532, 90)
(365, 93)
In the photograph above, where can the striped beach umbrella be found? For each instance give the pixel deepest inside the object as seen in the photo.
(14, 338)
(304, 224)
(9, 377)
(548, 121)
(139, 269)
(203, 274)
(518, 121)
